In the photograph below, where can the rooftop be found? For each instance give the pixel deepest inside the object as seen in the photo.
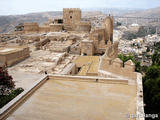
(74, 100)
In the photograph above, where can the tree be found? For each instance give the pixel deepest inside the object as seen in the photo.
(6, 81)
(125, 58)
(148, 49)
(156, 58)
(151, 86)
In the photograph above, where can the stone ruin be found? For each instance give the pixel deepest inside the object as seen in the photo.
(98, 39)
(71, 22)
(111, 66)
(95, 43)
(12, 55)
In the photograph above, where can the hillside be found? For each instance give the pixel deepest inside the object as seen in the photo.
(154, 12)
(7, 23)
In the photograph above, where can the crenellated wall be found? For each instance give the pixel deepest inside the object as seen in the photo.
(72, 20)
(115, 67)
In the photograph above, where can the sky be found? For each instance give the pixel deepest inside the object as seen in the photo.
(12, 7)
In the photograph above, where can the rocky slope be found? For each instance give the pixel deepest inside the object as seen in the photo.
(154, 12)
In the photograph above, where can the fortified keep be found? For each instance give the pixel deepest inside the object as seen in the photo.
(71, 22)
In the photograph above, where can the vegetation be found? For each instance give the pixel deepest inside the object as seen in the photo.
(7, 90)
(151, 81)
(6, 81)
(151, 85)
(4, 99)
(142, 32)
(125, 58)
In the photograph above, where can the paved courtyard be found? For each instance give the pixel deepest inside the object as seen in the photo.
(75, 100)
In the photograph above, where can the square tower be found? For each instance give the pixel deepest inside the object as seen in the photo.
(71, 17)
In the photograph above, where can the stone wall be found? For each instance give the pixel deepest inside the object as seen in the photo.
(75, 49)
(71, 16)
(41, 43)
(44, 29)
(14, 56)
(87, 48)
(115, 66)
(70, 69)
(83, 27)
(98, 37)
(108, 24)
(31, 27)
(56, 27)
(101, 36)
(72, 20)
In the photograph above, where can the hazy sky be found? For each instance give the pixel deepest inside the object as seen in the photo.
(26, 6)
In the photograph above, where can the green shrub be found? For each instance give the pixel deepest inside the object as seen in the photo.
(125, 58)
(4, 99)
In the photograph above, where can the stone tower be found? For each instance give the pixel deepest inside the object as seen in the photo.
(108, 24)
(71, 17)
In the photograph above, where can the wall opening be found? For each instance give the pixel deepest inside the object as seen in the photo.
(60, 21)
(106, 41)
(79, 68)
(84, 54)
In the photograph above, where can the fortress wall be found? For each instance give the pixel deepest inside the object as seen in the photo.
(31, 27)
(108, 24)
(71, 16)
(83, 27)
(87, 47)
(116, 67)
(44, 29)
(56, 27)
(12, 57)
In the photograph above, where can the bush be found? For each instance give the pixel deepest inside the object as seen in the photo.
(4, 99)
(151, 86)
(6, 81)
(7, 91)
(156, 58)
(125, 58)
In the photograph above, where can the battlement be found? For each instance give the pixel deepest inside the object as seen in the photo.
(115, 66)
(71, 9)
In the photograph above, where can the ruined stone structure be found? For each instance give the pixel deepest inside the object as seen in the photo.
(87, 47)
(31, 27)
(41, 43)
(103, 81)
(12, 55)
(71, 22)
(99, 39)
(112, 66)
